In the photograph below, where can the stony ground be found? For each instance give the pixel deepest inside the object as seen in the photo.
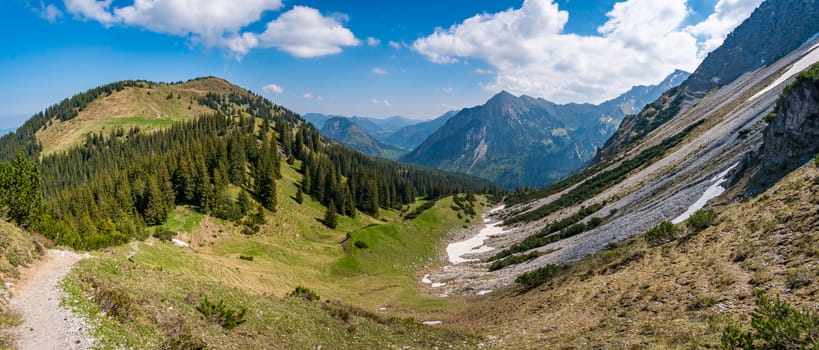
(46, 324)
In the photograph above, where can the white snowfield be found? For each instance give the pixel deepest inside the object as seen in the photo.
(711, 192)
(180, 243)
(457, 250)
(810, 58)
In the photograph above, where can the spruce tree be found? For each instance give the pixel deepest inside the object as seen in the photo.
(299, 195)
(24, 197)
(330, 216)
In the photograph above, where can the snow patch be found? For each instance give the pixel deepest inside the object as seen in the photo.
(438, 284)
(179, 243)
(431, 323)
(426, 279)
(483, 292)
(457, 250)
(806, 61)
(712, 191)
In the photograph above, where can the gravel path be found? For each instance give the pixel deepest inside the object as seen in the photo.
(46, 324)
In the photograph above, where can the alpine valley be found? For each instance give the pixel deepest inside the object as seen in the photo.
(199, 214)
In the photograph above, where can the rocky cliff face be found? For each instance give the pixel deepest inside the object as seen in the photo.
(774, 29)
(792, 137)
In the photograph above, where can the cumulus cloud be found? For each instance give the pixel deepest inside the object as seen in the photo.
(641, 42)
(49, 12)
(91, 9)
(304, 32)
(380, 71)
(395, 45)
(301, 32)
(373, 41)
(272, 89)
(727, 15)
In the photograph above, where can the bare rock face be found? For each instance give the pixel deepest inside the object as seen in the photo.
(792, 137)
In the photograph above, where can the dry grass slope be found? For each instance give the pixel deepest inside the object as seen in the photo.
(677, 295)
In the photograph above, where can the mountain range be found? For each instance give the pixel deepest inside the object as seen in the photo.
(348, 131)
(529, 142)
(397, 131)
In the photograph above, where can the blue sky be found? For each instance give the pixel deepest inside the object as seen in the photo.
(412, 58)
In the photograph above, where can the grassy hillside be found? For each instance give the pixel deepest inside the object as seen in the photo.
(151, 106)
(680, 294)
(146, 291)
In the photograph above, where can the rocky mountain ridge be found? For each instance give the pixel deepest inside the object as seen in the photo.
(529, 142)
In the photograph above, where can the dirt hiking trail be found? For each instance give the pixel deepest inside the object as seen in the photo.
(47, 325)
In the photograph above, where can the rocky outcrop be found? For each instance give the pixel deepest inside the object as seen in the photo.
(774, 29)
(792, 136)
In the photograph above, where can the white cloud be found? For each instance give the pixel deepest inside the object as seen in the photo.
(49, 12)
(446, 90)
(641, 42)
(394, 44)
(272, 89)
(380, 71)
(304, 32)
(376, 101)
(373, 41)
(301, 32)
(91, 9)
(483, 71)
(310, 96)
(727, 15)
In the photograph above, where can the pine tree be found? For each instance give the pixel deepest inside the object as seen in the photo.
(299, 195)
(244, 202)
(156, 211)
(23, 196)
(330, 216)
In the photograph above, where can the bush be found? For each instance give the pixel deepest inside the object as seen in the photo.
(115, 303)
(514, 259)
(537, 277)
(701, 219)
(595, 221)
(775, 325)
(663, 233)
(218, 313)
(798, 278)
(163, 234)
(360, 245)
(246, 257)
(304, 293)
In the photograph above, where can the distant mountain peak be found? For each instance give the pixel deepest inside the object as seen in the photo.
(502, 98)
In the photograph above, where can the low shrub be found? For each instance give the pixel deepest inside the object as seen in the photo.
(701, 219)
(221, 315)
(360, 245)
(246, 257)
(163, 234)
(115, 303)
(304, 293)
(514, 259)
(537, 277)
(774, 325)
(798, 278)
(663, 233)
(594, 222)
